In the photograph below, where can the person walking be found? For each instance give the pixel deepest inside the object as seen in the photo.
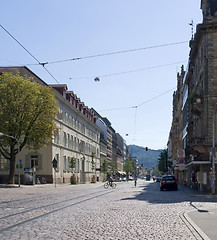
(135, 181)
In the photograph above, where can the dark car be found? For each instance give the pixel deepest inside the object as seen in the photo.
(168, 182)
(148, 177)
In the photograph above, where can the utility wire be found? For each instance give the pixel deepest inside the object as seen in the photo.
(118, 52)
(20, 44)
(130, 71)
(156, 97)
(40, 63)
(139, 105)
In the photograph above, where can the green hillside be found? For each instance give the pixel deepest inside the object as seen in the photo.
(149, 158)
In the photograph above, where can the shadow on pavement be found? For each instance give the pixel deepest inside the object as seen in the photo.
(150, 192)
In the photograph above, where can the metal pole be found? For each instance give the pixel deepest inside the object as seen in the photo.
(213, 150)
(19, 163)
(55, 176)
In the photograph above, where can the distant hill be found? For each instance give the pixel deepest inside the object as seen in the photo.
(149, 158)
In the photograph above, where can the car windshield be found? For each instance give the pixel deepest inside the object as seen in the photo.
(168, 178)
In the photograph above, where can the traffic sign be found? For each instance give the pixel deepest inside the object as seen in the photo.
(181, 161)
(19, 166)
(181, 153)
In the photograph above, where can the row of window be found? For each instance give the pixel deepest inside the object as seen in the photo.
(75, 124)
(73, 143)
(31, 161)
(66, 164)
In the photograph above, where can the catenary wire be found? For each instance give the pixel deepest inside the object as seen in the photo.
(130, 71)
(139, 105)
(114, 53)
(40, 63)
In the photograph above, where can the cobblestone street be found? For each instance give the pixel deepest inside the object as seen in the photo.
(91, 212)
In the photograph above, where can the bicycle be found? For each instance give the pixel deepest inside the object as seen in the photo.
(111, 185)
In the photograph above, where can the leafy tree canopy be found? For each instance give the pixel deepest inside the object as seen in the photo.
(27, 111)
(162, 161)
(128, 167)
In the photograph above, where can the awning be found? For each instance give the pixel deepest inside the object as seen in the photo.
(122, 173)
(198, 163)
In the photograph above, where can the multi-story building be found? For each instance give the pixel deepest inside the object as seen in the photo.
(175, 137)
(116, 146)
(103, 142)
(109, 142)
(77, 138)
(123, 149)
(197, 116)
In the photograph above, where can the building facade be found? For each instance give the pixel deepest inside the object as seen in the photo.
(194, 120)
(77, 141)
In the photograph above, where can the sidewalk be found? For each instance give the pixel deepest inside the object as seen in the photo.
(204, 222)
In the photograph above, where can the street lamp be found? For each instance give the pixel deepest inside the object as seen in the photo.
(213, 150)
(18, 154)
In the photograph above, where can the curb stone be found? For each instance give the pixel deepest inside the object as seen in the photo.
(197, 229)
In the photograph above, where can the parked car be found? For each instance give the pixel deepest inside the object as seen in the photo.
(130, 178)
(168, 182)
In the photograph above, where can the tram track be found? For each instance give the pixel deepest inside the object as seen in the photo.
(30, 214)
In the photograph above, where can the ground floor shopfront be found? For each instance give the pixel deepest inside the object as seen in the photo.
(197, 175)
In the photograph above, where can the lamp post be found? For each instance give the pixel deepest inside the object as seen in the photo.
(18, 153)
(213, 150)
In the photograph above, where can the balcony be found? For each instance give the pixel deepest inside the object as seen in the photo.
(198, 144)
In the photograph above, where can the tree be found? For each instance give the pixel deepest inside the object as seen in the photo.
(104, 167)
(93, 155)
(128, 167)
(162, 161)
(72, 162)
(27, 112)
(111, 166)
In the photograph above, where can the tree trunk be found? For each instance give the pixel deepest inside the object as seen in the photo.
(11, 173)
(12, 167)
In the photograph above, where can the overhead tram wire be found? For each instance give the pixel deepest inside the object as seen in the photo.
(40, 63)
(114, 53)
(127, 72)
(139, 105)
(91, 56)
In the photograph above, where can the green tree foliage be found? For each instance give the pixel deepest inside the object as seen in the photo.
(111, 167)
(104, 167)
(27, 111)
(72, 162)
(162, 161)
(128, 167)
(93, 155)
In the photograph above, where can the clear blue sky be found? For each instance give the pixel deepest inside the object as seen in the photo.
(54, 30)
